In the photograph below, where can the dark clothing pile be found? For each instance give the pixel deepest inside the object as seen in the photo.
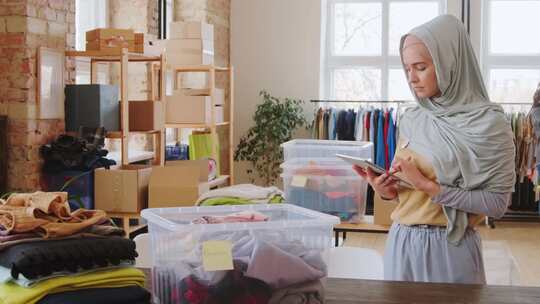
(82, 153)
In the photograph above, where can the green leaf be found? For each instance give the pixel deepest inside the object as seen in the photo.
(77, 199)
(71, 180)
(275, 121)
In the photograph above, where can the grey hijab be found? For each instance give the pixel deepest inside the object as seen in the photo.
(466, 137)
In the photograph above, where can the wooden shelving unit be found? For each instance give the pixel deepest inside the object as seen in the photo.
(224, 177)
(124, 58)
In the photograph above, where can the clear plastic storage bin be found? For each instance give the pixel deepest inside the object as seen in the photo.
(325, 185)
(313, 148)
(177, 242)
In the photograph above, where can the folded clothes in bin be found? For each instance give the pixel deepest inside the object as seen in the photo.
(252, 277)
(277, 260)
(342, 204)
(326, 185)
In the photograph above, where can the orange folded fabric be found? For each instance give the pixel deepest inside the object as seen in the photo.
(46, 213)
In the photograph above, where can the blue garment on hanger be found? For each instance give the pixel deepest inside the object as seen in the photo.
(358, 125)
(391, 140)
(380, 159)
(332, 134)
(372, 129)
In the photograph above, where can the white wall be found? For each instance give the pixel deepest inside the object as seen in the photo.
(275, 45)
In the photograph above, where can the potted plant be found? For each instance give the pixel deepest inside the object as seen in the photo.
(275, 121)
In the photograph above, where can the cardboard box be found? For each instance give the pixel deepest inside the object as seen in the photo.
(191, 30)
(194, 80)
(139, 38)
(139, 48)
(382, 211)
(189, 52)
(146, 115)
(101, 45)
(178, 183)
(154, 47)
(219, 94)
(123, 189)
(110, 33)
(191, 109)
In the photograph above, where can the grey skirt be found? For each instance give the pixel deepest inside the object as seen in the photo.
(414, 253)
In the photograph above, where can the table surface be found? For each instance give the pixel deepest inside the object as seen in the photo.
(346, 291)
(365, 225)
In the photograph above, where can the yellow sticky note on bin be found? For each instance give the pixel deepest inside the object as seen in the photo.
(217, 255)
(299, 181)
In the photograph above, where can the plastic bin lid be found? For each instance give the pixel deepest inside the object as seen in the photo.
(281, 216)
(323, 142)
(317, 162)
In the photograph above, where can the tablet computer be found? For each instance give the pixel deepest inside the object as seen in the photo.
(364, 164)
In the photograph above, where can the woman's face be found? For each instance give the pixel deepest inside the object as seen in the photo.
(419, 67)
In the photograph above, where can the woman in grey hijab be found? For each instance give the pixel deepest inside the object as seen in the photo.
(456, 148)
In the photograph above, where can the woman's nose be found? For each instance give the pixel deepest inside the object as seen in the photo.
(413, 77)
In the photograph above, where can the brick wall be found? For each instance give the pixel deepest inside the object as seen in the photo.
(26, 25)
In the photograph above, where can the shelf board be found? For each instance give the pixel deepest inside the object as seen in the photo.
(133, 156)
(219, 181)
(118, 134)
(194, 126)
(196, 68)
(112, 55)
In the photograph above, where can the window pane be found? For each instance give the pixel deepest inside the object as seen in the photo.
(401, 22)
(513, 85)
(88, 16)
(357, 84)
(398, 88)
(512, 26)
(357, 29)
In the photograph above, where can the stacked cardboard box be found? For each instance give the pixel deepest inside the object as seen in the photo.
(122, 189)
(132, 188)
(114, 39)
(192, 43)
(145, 115)
(178, 183)
(186, 106)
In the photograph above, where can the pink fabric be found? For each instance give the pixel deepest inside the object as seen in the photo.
(243, 216)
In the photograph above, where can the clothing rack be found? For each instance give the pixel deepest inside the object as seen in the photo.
(511, 215)
(522, 188)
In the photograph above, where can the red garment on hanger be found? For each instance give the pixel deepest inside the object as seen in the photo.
(386, 152)
(367, 117)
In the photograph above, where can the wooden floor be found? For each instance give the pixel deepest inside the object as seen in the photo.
(522, 241)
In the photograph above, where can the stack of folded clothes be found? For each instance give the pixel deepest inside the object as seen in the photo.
(49, 254)
(243, 194)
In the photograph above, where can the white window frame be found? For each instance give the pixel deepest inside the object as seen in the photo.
(480, 20)
(384, 62)
(99, 14)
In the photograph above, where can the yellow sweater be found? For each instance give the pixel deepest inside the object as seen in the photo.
(415, 207)
(11, 293)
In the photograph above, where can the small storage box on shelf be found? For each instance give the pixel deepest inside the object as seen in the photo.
(176, 241)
